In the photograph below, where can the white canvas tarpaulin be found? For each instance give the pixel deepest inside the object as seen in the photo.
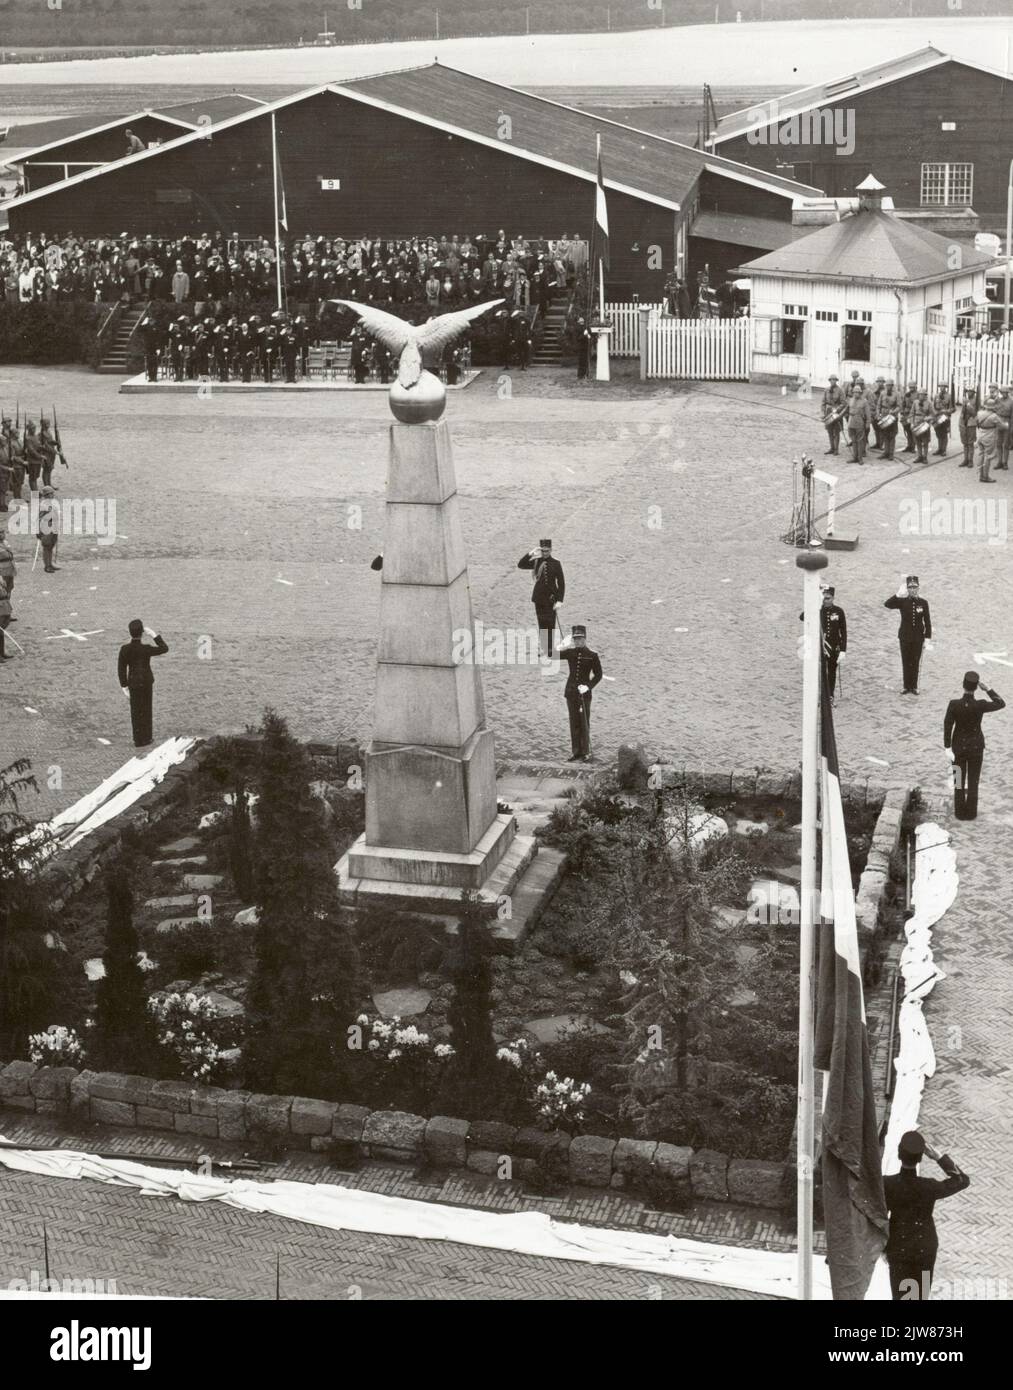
(933, 893)
(529, 1233)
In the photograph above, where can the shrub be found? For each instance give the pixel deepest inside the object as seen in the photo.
(56, 1047)
(49, 332)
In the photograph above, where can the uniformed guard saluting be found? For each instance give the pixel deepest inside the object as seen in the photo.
(585, 673)
(549, 588)
(963, 737)
(915, 629)
(913, 1244)
(134, 673)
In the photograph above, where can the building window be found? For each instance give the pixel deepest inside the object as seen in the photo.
(859, 315)
(826, 315)
(793, 329)
(857, 343)
(949, 185)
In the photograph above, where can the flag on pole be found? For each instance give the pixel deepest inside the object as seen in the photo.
(601, 217)
(854, 1206)
(279, 185)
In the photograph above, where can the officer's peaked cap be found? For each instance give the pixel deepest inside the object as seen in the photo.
(911, 579)
(547, 544)
(971, 680)
(578, 631)
(911, 1146)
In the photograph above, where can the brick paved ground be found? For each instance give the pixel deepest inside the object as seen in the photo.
(665, 505)
(164, 1246)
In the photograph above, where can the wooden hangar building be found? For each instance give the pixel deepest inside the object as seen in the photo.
(432, 151)
(937, 130)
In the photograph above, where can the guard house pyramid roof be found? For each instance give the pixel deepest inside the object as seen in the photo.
(870, 245)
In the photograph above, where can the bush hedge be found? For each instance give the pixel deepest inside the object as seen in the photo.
(50, 333)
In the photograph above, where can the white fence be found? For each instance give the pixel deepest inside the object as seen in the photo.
(624, 340)
(698, 349)
(968, 361)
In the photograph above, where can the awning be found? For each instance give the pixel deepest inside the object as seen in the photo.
(741, 229)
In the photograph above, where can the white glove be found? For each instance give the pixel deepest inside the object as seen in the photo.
(929, 647)
(582, 689)
(951, 755)
(557, 604)
(125, 691)
(841, 657)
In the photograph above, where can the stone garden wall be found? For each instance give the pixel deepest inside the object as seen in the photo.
(294, 1122)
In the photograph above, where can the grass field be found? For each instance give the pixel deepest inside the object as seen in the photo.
(726, 55)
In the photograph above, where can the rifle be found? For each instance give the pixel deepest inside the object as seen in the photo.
(56, 438)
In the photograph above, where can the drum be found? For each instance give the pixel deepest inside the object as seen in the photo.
(920, 431)
(887, 422)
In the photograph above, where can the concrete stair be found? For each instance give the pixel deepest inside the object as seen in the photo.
(118, 351)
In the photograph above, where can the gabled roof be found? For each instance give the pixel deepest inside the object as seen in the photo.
(218, 108)
(646, 166)
(871, 246)
(823, 93)
(183, 126)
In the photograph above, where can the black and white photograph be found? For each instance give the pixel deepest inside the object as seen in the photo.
(506, 791)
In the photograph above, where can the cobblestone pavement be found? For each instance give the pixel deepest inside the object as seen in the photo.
(665, 504)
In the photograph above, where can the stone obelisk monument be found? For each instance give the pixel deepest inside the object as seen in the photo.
(432, 827)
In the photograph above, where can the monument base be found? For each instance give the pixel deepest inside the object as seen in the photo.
(424, 881)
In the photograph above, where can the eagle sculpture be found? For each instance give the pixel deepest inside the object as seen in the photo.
(416, 344)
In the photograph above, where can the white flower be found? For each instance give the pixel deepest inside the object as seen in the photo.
(373, 1045)
(363, 1019)
(444, 1050)
(394, 1052)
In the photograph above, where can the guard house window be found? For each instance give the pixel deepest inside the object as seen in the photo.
(947, 185)
(793, 329)
(858, 336)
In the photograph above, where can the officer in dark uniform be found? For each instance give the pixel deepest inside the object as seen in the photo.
(585, 673)
(357, 357)
(151, 337)
(289, 353)
(915, 629)
(962, 735)
(452, 364)
(834, 627)
(912, 1244)
(549, 590)
(134, 672)
(968, 425)
(833, 401)
(301, 333)
(521, 336)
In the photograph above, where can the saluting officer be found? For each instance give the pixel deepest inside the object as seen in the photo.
(585, 673)
(915, 629)
(134, 674)
(834, 629)
(913, 1244)
(962, 735)
(549, 588)
(151, 338)
(833, 400)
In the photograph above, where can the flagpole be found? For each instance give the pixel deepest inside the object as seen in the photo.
(810, 562)
(277, 227)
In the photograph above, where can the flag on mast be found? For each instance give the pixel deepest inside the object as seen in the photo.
(854, 1206)
(279, 185)
(601, 217)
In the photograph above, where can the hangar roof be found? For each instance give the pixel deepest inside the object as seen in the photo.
(518, 123)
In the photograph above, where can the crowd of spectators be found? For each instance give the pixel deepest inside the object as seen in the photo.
(231, 272)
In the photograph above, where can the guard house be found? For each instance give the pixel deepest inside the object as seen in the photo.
(844, 298)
